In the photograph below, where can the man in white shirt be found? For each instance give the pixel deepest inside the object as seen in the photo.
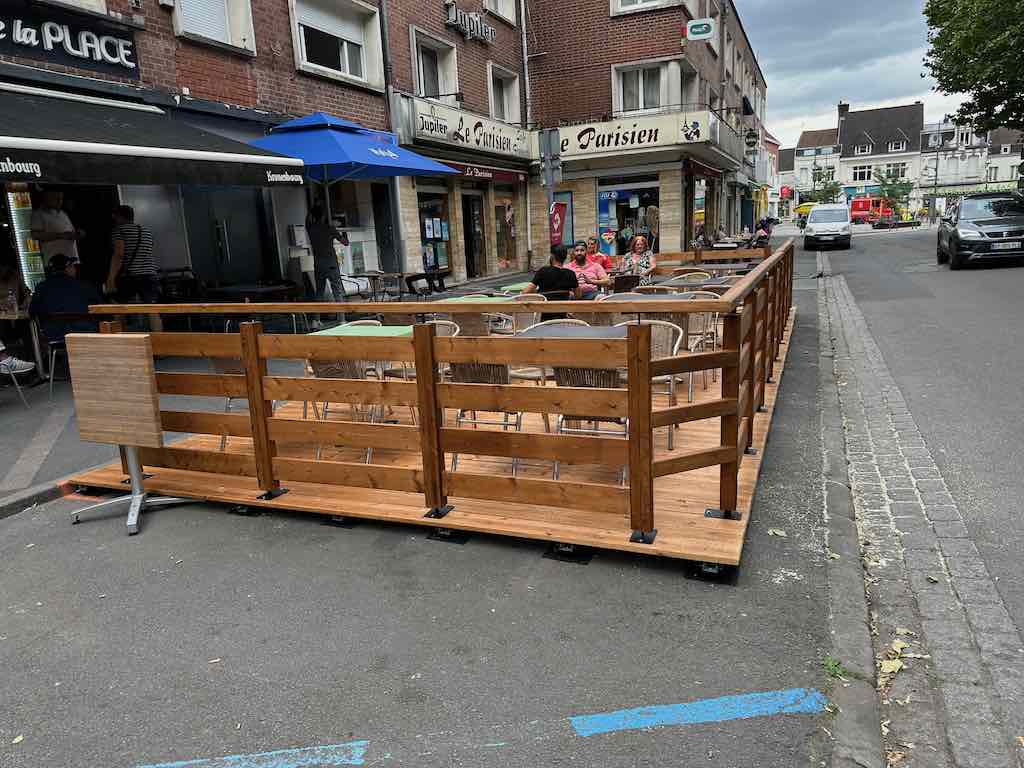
(52, 228)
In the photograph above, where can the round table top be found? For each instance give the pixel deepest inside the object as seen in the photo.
(574, 332)
(476, 299)
(515, 287)
(365, 330)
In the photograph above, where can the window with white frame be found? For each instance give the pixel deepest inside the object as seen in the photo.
(639, 88)
(896, 170)
(862, 149)
(504, 94)
(1004, 149)
(730, 54)
(898, 146)
(715, 14)
(339, 39)
(963, 136)
(437, 72)
(862, 173)
(228, 22)
(505, 9)
(629, 6)
(992, 174)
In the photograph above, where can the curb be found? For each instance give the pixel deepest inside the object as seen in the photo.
(42, 493)
(856, 732)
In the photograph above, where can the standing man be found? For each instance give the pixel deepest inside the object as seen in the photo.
(133, 272)
(322, 235)
(52, 228)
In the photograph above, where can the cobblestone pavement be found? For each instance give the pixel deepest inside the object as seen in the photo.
(950, 659)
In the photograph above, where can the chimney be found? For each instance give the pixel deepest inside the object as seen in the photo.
(843, 109)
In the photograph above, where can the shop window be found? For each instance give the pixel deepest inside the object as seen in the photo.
(228, 22)
(435, 232)
(640, 88)
(436, 67)
(626, 208)
(504, 9)
(504, 94)
(862, 173)
(340, 40)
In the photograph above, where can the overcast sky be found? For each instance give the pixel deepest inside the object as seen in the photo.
(815, 53)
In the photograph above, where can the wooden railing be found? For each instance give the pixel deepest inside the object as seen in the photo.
(754, 314)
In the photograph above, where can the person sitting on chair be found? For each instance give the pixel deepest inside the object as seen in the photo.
(63, 293)
(555, 279)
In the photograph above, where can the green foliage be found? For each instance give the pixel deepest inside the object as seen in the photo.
(975, 49)
(828, 192)
(834, 668)
(894, 191)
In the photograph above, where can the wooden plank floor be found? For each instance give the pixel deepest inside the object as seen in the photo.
(680, 500)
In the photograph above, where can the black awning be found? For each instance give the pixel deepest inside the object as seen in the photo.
(47, 136)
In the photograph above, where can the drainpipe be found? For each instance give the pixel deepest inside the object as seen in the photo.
(398, 234)
(528, 224)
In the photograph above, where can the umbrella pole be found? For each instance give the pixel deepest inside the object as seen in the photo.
(330, 223)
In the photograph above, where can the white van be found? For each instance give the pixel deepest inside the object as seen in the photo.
(828, 225)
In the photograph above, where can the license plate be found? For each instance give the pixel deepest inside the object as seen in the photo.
(825, 237)
(1015, 246)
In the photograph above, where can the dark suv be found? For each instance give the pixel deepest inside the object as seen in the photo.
(983, 226)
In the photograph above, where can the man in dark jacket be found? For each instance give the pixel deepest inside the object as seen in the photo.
(63, 293)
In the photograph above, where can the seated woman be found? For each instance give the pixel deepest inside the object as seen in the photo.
(640, 260)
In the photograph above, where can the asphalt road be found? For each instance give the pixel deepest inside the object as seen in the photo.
(213, 634)
(952, 342)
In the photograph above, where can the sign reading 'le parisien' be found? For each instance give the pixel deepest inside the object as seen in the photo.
(49, 34)
(634, 134)
(462, 129)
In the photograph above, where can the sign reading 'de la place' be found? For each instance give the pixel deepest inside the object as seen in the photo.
(634, 134)
(438, 123)
(49, 34)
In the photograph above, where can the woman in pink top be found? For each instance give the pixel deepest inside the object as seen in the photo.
(594, 255)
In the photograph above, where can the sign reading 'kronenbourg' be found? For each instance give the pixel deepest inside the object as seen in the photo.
(634, 134)
(435, 122)
(47, 34)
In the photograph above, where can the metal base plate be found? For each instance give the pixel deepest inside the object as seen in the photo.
(720, 515)
(271, 495)
(439, 513)
(449, 535)
(750, 451)
(339, 522)
(569, 553)
(643, 537)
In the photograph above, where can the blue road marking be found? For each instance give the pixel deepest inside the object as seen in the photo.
(351, 753)
(791, 701)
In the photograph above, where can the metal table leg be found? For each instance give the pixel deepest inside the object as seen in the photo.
(138, 499)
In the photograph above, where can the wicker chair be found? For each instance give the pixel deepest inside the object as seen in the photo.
(610, 378)
(649, 289)
(706, 330)
(691, 278)
(666, 339)
(680, 271)
(616, 318)
(523, 320)
(540, 375)
(484, 373)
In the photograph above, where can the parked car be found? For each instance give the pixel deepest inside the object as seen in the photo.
(982, 226)
(828, 224)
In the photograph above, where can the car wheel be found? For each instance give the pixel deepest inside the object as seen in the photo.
(956, 261)
(940, 255)
(848, 244)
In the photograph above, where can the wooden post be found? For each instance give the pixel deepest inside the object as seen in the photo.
(260, 409)
(750, 308)
(761, 344)
(769, 321)
(641, 436)
(114, 326)
(728, 478)
(430, 421)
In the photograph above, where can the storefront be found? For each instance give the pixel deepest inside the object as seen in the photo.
(205, 197)
(643, 175)
(470, 223)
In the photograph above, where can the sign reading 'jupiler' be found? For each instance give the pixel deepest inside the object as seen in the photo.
(50, 34)
(462, 129)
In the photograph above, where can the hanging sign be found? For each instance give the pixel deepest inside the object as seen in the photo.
(558, 211)
(45, 33)
(455, 127)
(700, 29)
(639, 133)
(470, 23)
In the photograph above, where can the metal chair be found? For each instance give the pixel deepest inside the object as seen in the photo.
(538, 374)
(598, 378)
(56, 348)
(680, 271)
(526, 319)
(696, 341)
(17, 387)
(485, 373)
(666, 338)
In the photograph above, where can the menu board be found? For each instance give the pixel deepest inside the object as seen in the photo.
(19, 210)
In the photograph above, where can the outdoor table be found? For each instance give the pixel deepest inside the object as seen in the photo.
(378, 289)
(574, 332)
(515, 287)
(725, 266)
(244, 291)
(365, 330)
(476, 299)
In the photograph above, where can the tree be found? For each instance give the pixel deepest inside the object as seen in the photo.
(974, 49)
(893, 189)
(828, 192)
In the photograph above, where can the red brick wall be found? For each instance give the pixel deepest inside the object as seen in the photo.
(268, 81)
(472, 55)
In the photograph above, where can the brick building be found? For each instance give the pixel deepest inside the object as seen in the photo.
(652, 127)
